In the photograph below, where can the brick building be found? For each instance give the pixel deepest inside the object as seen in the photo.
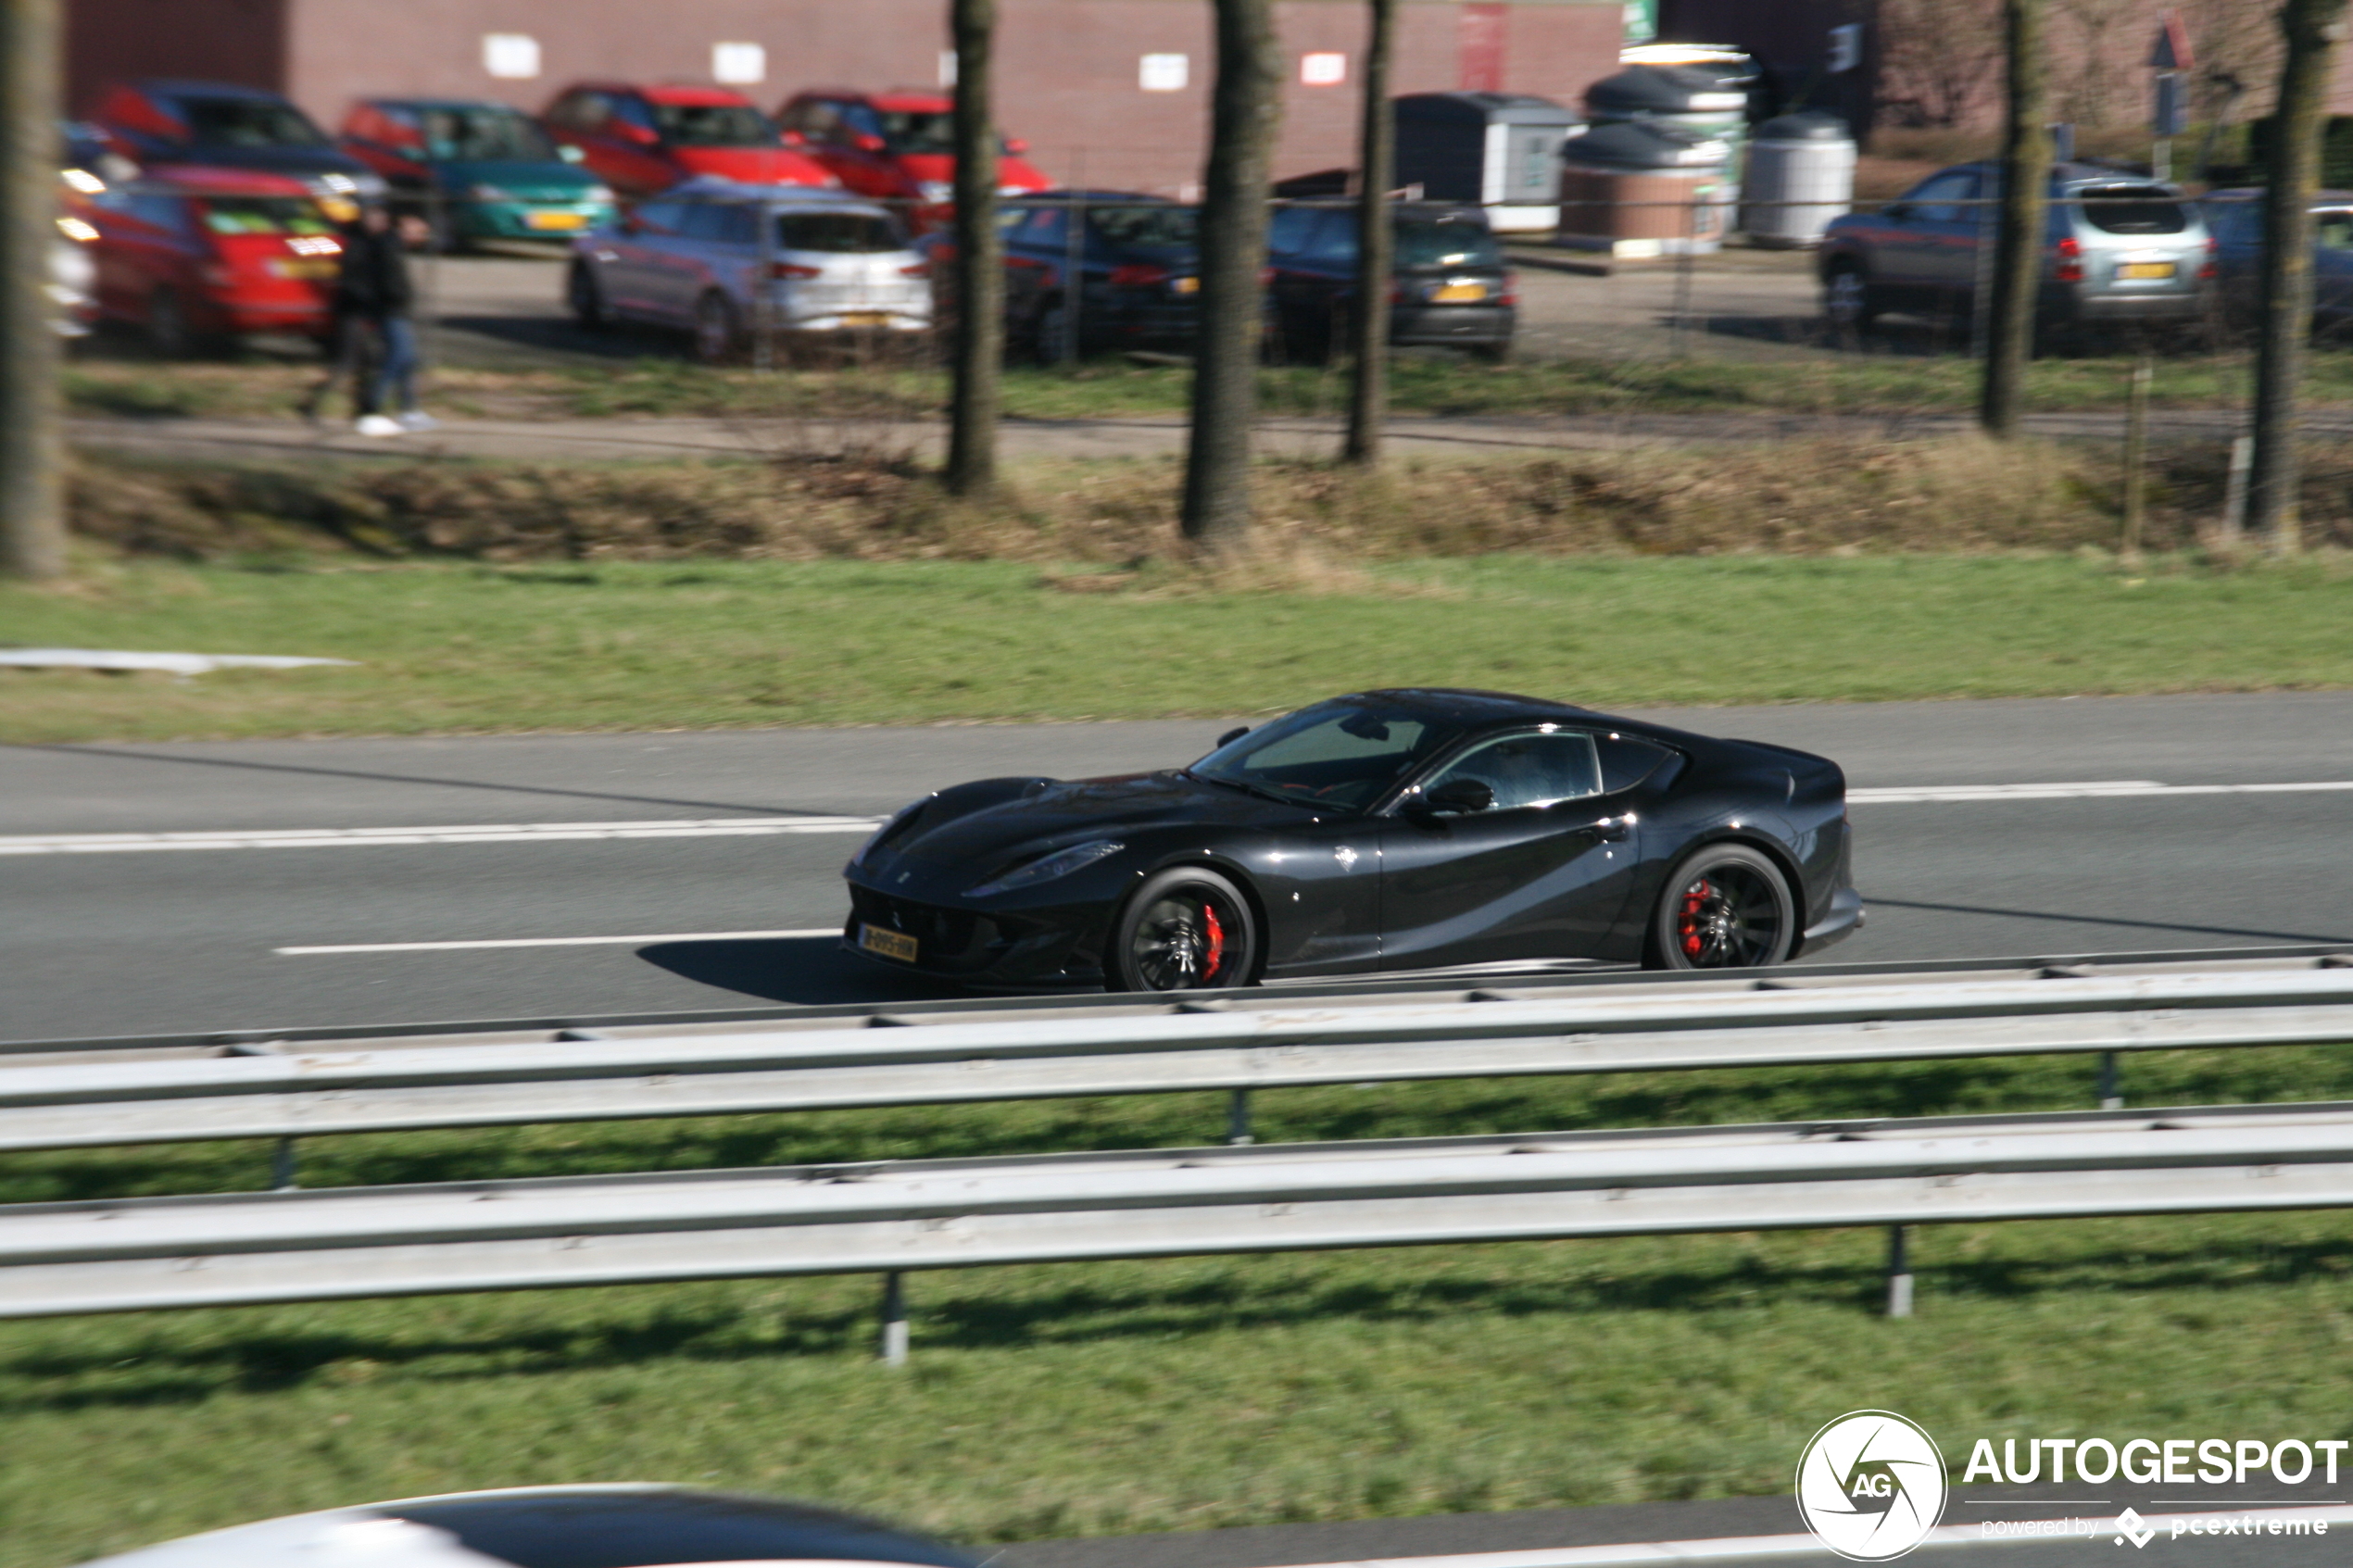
(1106, 91)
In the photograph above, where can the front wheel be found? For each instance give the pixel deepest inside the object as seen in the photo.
(586, 298)
(1847, 303)
(716, 333)
(1184, 930)
(1725, 906)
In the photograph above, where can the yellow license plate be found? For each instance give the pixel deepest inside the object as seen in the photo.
(555, 221)
(1184, 285)
(1460, 294)
(889, 944)
(865, 318)
(2145, 270)
(299, 267)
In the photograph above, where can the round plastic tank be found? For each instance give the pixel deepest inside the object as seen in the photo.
(1801, 174)
(1641, 188)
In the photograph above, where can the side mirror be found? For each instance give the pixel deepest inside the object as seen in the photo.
(1230, 737)
(1458, 797)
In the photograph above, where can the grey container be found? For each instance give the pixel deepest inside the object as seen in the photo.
(1498, 150)
(1801, 174)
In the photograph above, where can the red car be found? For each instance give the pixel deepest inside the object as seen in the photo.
(899, 145)
(190, 253)
(642, 140)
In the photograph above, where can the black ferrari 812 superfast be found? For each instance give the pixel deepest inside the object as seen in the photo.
(1382, 831)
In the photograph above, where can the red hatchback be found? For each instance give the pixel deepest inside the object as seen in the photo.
(898, 145)
(641, 140)
(190, 253)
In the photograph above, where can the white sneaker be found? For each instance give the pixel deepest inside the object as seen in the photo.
(418, 421)
(377, 424)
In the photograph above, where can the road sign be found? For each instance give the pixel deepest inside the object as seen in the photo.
(2172, 50)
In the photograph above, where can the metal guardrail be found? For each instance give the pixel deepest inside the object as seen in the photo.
(1627, 1028)
(365, 1243)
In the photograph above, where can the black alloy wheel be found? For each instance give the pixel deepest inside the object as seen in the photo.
(1184, 930)
(1848, 302)
(717, 333)
(586, 298)
(1726, 906)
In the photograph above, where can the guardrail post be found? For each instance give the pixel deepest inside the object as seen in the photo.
(1238, 1118)
(1899, 1274)
(283, 1177)
(894, 1321)
(2111, 1091)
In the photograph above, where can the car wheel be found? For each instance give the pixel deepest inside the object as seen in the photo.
(716, 333)
(168, 332)
(1048, 333)
(1725, 906)
(586, 298)
(1847, 299)
(1493, 353)
(1184, 930)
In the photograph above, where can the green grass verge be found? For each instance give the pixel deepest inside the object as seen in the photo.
(654, 386)
(1110, 1398)
(461, 647)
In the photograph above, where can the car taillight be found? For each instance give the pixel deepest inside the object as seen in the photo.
(1137, 275)
(1509, 294)
(2212, 269)
(919, 269)
(792, 270)
(2070, 261)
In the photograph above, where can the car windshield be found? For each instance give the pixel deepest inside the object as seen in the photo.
(1446, 242)
(714, 125)
(2132, 210)
(846, 234)
(248, 122)
(1345, 754)
(1146, 227)
(458, 134)
(264, 215)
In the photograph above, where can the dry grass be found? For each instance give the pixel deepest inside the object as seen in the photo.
(1112, 524)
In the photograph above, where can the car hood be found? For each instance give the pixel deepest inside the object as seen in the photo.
(1049, 813)
(299, 162)
(754, 166)
(532, 177)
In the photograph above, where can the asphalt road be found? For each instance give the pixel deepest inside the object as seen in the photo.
(185, 940)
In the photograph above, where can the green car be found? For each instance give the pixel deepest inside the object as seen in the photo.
(475, 171)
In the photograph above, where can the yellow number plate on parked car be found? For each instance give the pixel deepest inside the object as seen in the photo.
(555, 219)
(2145, 270)
(865, 318)
(1460, 294)
(299, 267)
(889, 944)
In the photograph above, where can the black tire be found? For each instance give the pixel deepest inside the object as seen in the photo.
(717, 333)
(1849, 303)
(1048, 330)
(1185, 929)
(1493, 353)
(1725, 906)
(586, 298)
(168, 333)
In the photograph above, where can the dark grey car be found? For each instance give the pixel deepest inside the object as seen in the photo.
(2119, 248)
(2236, 219)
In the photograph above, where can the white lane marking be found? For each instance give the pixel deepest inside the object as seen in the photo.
(364, 838)
(553, 942)
(1734, 1549)
(2106, 790)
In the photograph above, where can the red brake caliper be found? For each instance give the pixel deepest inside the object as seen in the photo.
(1694, 902)
(1214, 956)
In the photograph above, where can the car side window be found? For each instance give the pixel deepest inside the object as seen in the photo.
(704, 220)
(1044, 228)
(663, 217)
(167, 213)
(861, 119)
(632, 111)
(1529, 769)
(1627, 761)
(1288, 230)
(1933, 199)
(2333, 230)
(579, 111)
(1334, 242)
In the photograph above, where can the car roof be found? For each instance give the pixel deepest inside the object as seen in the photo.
(685, 94)
(177, 87)
(1463, 705)
(199, 179)
(716, 188)
(397, 102)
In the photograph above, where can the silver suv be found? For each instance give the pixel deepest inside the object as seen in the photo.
(707, 255)
(2119, 248)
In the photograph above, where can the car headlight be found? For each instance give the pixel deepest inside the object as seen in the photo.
(597, 194)
(486, 193)
(338, 184)
(937, 190)
(1061, 862)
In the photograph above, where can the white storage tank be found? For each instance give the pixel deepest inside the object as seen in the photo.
(1801, 174)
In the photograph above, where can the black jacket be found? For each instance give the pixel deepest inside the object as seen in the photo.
(374, 281)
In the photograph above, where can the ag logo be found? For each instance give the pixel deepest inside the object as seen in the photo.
(1871, 1485)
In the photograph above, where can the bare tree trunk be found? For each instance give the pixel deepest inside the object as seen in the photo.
(2284, 322)
(979, 343)
(2019, 239)
(1377, 172)
(1245, 109)
(33, 528)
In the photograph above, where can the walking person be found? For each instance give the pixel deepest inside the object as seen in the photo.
(375, 333)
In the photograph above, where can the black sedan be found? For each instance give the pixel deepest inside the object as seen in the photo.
(1386, 829)
(1450, 287)
(1137, 262)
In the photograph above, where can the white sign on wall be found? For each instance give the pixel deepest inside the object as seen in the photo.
(1323, 69)
(947, 68)
(739, 64)
(512, 55)
(1164, 73)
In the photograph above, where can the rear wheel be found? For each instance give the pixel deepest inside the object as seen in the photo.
(1847, 303)
(1184, 930)
(1050, 334)
(716, 331)
(168, 331)
(586, 298)
(1725, 906)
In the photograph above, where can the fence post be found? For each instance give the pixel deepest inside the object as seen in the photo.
(2234, 489)
(1899, 1274)
(894, 1321)
(1238, 1118)
(284, 1176)
(1683, 272)
(2111, 1091)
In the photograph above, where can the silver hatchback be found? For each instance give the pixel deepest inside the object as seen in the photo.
(2119, 248)
(710, 256)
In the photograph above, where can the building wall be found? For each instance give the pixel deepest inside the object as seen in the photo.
(1067, 69)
